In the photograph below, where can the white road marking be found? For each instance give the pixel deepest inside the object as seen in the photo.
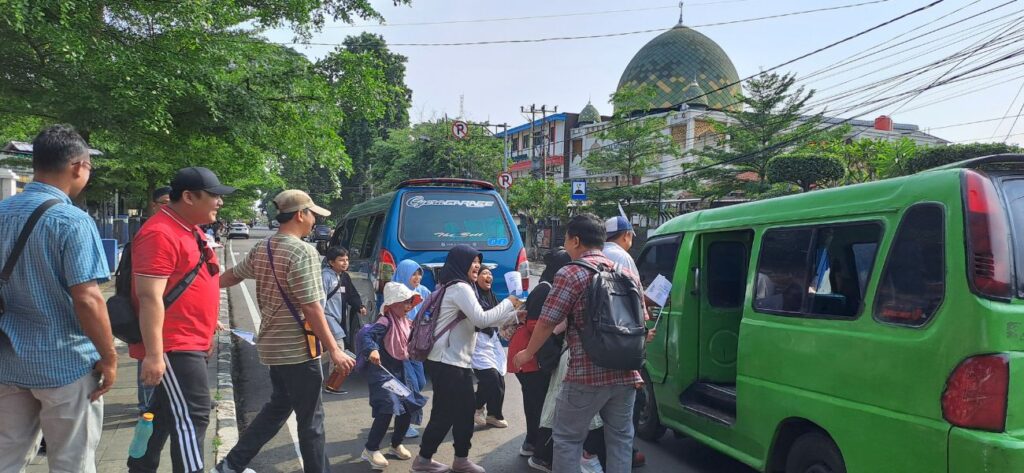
(253, 311)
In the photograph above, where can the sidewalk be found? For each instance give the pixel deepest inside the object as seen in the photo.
(120, 411)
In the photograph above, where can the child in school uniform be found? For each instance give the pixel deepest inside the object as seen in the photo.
(383, 347)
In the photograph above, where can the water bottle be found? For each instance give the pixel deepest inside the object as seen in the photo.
(143, 429)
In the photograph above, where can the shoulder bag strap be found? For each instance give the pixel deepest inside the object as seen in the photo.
(333, 291)
(19, 245)
(287, 302)
(183, 284)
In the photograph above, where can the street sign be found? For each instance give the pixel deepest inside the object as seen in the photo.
(460, 129)
(579, 189)
(504, 180)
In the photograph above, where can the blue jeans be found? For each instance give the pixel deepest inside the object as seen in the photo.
(416, 380)
(575, 406)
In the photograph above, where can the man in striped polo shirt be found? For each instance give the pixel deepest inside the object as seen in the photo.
(289, 290)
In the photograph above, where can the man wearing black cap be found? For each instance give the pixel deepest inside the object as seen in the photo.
(176, 337)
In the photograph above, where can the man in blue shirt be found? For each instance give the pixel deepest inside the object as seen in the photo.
(57, 354)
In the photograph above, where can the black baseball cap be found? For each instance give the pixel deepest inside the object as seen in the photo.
(199, 179)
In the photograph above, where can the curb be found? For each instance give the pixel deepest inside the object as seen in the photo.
(227, 425)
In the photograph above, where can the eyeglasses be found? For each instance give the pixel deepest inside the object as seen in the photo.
(212, 268)
(84, 163)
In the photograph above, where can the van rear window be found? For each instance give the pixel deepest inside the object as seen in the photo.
(438, 220)
(1013, 191)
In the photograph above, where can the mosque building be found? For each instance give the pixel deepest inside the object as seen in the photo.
(693, 81)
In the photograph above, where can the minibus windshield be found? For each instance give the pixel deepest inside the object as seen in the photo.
(438, 220)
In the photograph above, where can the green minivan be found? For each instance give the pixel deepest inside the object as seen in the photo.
(871, 328)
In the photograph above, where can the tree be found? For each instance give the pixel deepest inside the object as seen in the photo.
(868, 160)
(429, 150)
(537, 200)
(161, 85)
(771, 122)
(632, 143)
(927, 158)
(805, 171)
(365, 123)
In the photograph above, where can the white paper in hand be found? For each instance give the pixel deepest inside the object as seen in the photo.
(244, 335)
(397, 387)
(659, 290)
(514, 282)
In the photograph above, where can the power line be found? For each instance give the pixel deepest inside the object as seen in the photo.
(604, 35)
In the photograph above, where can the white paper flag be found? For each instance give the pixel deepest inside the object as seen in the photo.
(659, 290)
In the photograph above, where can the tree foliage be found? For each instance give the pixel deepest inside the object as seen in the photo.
(927, 158)
(366, 122)
(771, 122)
(428, 150)
(869, 159)
(162, 85)
(632, 143)
(805, 171)
(537, 200)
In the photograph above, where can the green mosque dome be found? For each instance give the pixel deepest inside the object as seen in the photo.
(673, 61)
(589, 114)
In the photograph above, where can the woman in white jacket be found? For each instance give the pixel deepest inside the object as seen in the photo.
(450, 363)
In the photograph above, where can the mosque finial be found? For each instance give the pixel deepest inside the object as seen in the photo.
(681, 4)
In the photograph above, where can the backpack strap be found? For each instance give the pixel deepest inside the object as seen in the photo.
(19, 245)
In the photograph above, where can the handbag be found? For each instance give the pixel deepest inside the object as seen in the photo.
(312, 342)
(19, 246)
(124, 320)
(550, 353)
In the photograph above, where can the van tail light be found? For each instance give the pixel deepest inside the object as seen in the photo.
(975, 395)
(988, 237)
(387, 265)
(523, 266)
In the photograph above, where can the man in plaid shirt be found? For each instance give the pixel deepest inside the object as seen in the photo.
(589, 389)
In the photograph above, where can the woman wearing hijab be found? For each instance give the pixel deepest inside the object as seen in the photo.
(410, 273)
(534, 381)
(489, 363)
(450, 361)
(386, 345)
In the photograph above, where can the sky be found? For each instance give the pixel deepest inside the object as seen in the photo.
(494, 81)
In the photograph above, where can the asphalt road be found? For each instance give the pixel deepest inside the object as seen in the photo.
(348, 415)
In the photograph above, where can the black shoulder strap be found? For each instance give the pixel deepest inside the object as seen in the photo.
(180, 287)
(19, 245)
(335, 290)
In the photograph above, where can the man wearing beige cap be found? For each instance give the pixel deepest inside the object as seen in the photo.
(289, 291)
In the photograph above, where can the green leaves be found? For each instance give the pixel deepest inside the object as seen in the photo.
(805, 171)
(931, 157)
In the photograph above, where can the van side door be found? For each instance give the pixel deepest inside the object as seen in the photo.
(723, 282)
(658, 257)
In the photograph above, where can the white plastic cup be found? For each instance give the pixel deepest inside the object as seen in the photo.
(514, 282)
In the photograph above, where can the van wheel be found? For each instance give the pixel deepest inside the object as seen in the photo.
(645, 410)
(814, 452)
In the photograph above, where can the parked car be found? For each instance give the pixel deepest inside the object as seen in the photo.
(273, 224)
(873, 327)
(238, 230)
(320, 232)
(421, 220)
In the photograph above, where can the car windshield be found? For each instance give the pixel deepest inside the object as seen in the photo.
(437, 220)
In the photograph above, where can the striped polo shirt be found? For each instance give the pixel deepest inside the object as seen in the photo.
(281, 341)
(45, 346)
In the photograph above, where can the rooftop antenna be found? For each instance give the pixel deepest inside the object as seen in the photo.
(681, 4)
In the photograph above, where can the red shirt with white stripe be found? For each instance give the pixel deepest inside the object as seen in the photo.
(166, 248)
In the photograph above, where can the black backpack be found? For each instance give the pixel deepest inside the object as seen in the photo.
(614, 331)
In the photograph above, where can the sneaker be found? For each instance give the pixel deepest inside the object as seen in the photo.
(465, 465)
(526, 450)
(412, 433)
(639, 459)
(400, 452)
(591, 465)
(479, 417)
(328, 390)
(538, 464)
(496, 422)
(423, 465)
(376, 459)
(223, 467)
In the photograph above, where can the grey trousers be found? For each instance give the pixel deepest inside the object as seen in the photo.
(575, 406)
(71, 423)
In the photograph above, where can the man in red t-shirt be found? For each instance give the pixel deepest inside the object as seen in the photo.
(177, 337)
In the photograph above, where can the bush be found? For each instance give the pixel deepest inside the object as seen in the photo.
(805, 171)
(927, 158)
